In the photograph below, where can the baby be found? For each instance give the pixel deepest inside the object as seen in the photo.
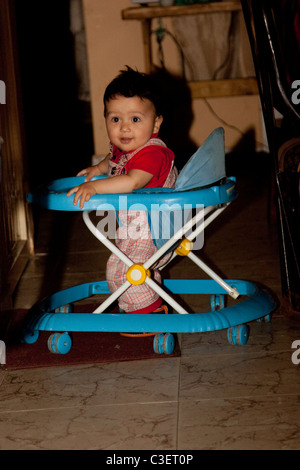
(137, 159)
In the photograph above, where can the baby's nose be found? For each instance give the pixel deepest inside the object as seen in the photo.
(125, 126)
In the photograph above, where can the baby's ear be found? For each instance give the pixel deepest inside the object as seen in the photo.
(157, 123)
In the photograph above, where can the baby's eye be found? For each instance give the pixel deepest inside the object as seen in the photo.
(135, 119)
(115, 119)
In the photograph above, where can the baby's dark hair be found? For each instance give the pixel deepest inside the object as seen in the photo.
(130, 83)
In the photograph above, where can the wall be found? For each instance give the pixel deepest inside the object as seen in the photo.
(113, 43)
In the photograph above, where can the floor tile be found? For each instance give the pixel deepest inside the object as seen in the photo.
(238, 375)
(116, 383)
(149, 426)
(247, 423)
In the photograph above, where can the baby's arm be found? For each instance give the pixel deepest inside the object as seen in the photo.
(96, 170)
(135, 179)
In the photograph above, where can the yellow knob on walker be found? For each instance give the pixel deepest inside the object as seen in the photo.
(184, 248)
(136, 274)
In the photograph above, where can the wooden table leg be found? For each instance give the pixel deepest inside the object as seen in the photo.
(146, 30)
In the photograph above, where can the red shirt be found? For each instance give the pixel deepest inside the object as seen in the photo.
(154, 159)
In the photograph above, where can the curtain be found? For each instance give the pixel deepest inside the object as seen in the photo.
(215, 46)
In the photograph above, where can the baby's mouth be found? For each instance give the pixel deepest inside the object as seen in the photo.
(125, 140)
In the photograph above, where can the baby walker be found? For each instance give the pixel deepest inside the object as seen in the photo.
(202, 182)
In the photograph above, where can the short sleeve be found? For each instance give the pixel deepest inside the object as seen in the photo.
(151, 159)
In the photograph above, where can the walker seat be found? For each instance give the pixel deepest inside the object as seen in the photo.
(203, 188)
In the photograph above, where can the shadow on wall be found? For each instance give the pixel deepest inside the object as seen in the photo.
(245, 160)
(178, 115)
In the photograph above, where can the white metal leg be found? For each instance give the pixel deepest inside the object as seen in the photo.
(129, 263)
(196, 220)
(231, 290)
(114, 296)
(175, 238)
(165, 296)
(201, 227)
(105, 240)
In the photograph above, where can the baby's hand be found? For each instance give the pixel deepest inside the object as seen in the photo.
(85, 191)
(89, 172)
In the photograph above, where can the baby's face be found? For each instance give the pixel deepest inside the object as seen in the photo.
(130, 122)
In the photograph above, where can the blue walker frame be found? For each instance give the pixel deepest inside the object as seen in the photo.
(54, 313)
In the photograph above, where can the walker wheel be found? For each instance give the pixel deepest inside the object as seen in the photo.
(266, 318)
(168, 343)
(59, 343)
(217, 302)
(238, 335)
(163, 343)
(68, 308)
(158, 342)
(31, 336)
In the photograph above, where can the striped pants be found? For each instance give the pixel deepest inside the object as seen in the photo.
(134, 239)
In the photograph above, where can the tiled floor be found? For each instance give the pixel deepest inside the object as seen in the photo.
(215, 396)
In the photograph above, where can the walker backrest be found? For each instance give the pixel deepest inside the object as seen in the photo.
(205, 167)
